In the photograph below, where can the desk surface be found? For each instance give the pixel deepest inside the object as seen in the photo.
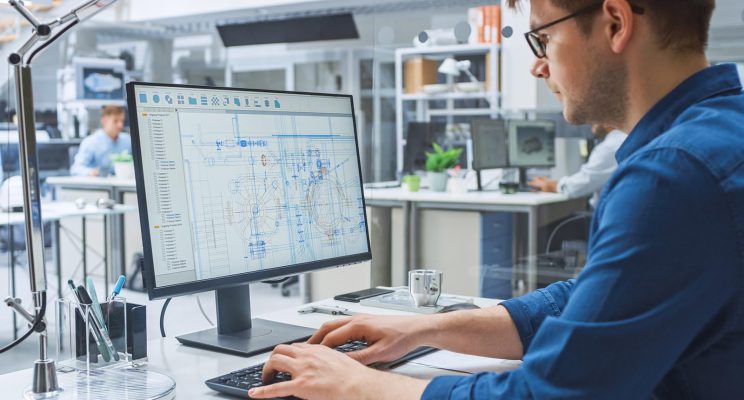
(92, 182)
(190, 367)
(53, 211)
(489, 198)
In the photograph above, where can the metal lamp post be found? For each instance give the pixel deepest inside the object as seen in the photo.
(45, 383)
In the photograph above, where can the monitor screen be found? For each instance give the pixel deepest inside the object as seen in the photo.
(238, 186)
(489, 144)
(531, 144)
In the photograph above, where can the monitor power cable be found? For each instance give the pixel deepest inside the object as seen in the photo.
(162, 316)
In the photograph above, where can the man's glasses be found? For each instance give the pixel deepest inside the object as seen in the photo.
(538, 44)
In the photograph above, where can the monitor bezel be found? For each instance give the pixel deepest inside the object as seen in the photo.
(511, 130)
(155, 292)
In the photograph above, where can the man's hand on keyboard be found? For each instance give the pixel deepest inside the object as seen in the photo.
(319, 372)
(388, 337)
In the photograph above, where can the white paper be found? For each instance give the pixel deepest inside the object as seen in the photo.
(466, 363)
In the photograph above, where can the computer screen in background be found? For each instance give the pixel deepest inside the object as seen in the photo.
(239, 186)
(490, 148)
(531, 144)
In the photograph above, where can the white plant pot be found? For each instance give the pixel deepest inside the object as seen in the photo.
(437, 181)
(124, 170)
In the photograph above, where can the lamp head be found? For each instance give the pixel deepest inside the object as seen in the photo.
(450, 66)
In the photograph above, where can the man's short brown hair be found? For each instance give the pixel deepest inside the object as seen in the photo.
(108, 111)
(680, 25)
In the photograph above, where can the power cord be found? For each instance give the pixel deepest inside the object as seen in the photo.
(580, 215)
(201, 308)
(162, 316)
(38, 320)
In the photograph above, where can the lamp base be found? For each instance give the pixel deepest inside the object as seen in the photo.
(45, 385)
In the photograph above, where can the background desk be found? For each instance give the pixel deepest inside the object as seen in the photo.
(190, 367)
(54, 213)
(457, 234)
(68, 188)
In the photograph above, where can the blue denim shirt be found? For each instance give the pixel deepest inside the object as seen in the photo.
(658, 310)
(95, 150)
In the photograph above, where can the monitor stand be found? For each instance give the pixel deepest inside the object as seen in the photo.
(237, 333)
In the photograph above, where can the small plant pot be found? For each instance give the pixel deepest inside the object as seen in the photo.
(438, 181)
(124, 170)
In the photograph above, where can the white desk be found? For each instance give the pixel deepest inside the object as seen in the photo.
(190, 367)
(54, 212)
(116, 189)
(532, 204)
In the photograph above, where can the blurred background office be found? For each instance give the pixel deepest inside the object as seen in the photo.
(421, 72)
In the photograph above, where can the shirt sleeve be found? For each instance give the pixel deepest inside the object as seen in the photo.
(593, 174)
(83, 163)
(662, 268)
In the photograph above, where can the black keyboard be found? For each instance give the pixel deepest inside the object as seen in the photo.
(237, 383)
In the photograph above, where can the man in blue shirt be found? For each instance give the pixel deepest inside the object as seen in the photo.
(93, 157)
(658, 311)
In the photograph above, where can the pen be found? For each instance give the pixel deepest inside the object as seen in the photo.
(327, 309)
(93, 327)
(94, 300)
(85, 297)
(118, 286)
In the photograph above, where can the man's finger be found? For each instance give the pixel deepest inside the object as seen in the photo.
(277, 363)
(281, 389)
(341, 336)
(327, 327)
(367, 356)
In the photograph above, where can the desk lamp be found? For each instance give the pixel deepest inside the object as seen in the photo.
(452, 67)
(45, 383)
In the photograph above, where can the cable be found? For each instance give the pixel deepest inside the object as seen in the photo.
(277, 281)
(581, 215)
(51, 40)
(32, 329)
(201, 308)
(162, 316)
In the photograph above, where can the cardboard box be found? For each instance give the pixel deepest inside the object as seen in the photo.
(418, 72)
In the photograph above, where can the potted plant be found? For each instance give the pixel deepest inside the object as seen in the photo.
(123, 165)
(437, 163)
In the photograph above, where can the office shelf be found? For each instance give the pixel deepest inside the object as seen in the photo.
(491, 96)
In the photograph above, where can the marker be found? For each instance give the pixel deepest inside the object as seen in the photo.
(94, 300)
(92, 325)
(100, 325)
(118, 286)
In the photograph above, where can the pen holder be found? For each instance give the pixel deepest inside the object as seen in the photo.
(87, 340)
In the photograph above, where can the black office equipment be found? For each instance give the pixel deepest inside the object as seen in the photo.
(490, 149)
(305, 29)
(238, 186)
(237, 383)
(355, 297)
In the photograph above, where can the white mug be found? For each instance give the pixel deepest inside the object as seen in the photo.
(425, 286)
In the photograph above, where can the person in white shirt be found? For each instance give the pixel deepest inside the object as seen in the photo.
(594, 174)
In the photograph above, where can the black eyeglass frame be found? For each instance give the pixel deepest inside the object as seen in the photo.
(539, 48)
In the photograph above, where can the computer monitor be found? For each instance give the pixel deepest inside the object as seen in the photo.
(239, 186)
(531, 144)
(420, 139)
(490, 148)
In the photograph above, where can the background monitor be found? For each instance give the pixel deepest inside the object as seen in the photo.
(531, 144)
(420, 139)
(238, 186)
(490, 149)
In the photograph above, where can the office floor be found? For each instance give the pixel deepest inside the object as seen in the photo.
(264, 298)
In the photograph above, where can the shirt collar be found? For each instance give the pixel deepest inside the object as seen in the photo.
(710, 82)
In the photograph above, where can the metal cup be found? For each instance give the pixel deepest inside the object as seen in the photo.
(425, 286)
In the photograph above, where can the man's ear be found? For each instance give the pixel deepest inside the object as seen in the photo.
(619, 23)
